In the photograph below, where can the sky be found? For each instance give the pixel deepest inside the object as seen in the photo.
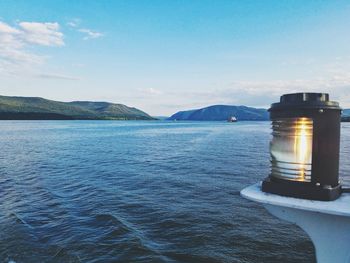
(170, 55)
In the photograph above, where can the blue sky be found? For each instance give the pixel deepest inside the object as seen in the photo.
(164, 56)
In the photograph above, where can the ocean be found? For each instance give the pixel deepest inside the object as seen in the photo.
(141, 191)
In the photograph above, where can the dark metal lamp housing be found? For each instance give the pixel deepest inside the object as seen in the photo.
(305, 147)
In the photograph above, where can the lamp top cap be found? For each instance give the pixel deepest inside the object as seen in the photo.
(304, 97)
(305, 100)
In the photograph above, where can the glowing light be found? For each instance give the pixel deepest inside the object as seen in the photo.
(303, 145)
(291, 149)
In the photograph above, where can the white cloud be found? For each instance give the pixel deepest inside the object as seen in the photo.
(71, 24)
(16, 41)
(45, 34)
(4, 28)
(334, 83)
(263, 93)
(249, 93)
(74, 22)
(151, 91)
(56, 76)
(89, 34)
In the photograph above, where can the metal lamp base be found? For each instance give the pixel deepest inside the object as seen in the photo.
(302, 190)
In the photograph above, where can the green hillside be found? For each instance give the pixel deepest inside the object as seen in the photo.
(39, 108)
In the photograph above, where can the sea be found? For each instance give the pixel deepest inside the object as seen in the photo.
(141, 191)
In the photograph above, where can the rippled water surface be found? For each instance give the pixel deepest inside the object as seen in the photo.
(109, 191)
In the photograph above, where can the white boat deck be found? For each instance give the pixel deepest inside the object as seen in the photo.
(340, 207)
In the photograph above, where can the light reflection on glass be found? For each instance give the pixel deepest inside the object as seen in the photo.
(291, 148)
(302, 144)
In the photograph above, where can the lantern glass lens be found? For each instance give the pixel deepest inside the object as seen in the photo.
(291, 149)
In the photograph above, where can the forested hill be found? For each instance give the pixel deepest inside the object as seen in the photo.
(33, 108)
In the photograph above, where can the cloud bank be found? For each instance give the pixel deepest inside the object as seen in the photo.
(15, 43)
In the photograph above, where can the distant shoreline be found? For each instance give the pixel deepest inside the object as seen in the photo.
(36, 108)
(37, 116)
(55, 116)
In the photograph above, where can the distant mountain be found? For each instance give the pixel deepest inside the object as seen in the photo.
(346, 112)
(33, 108)
(222, 113)
(346, 115)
